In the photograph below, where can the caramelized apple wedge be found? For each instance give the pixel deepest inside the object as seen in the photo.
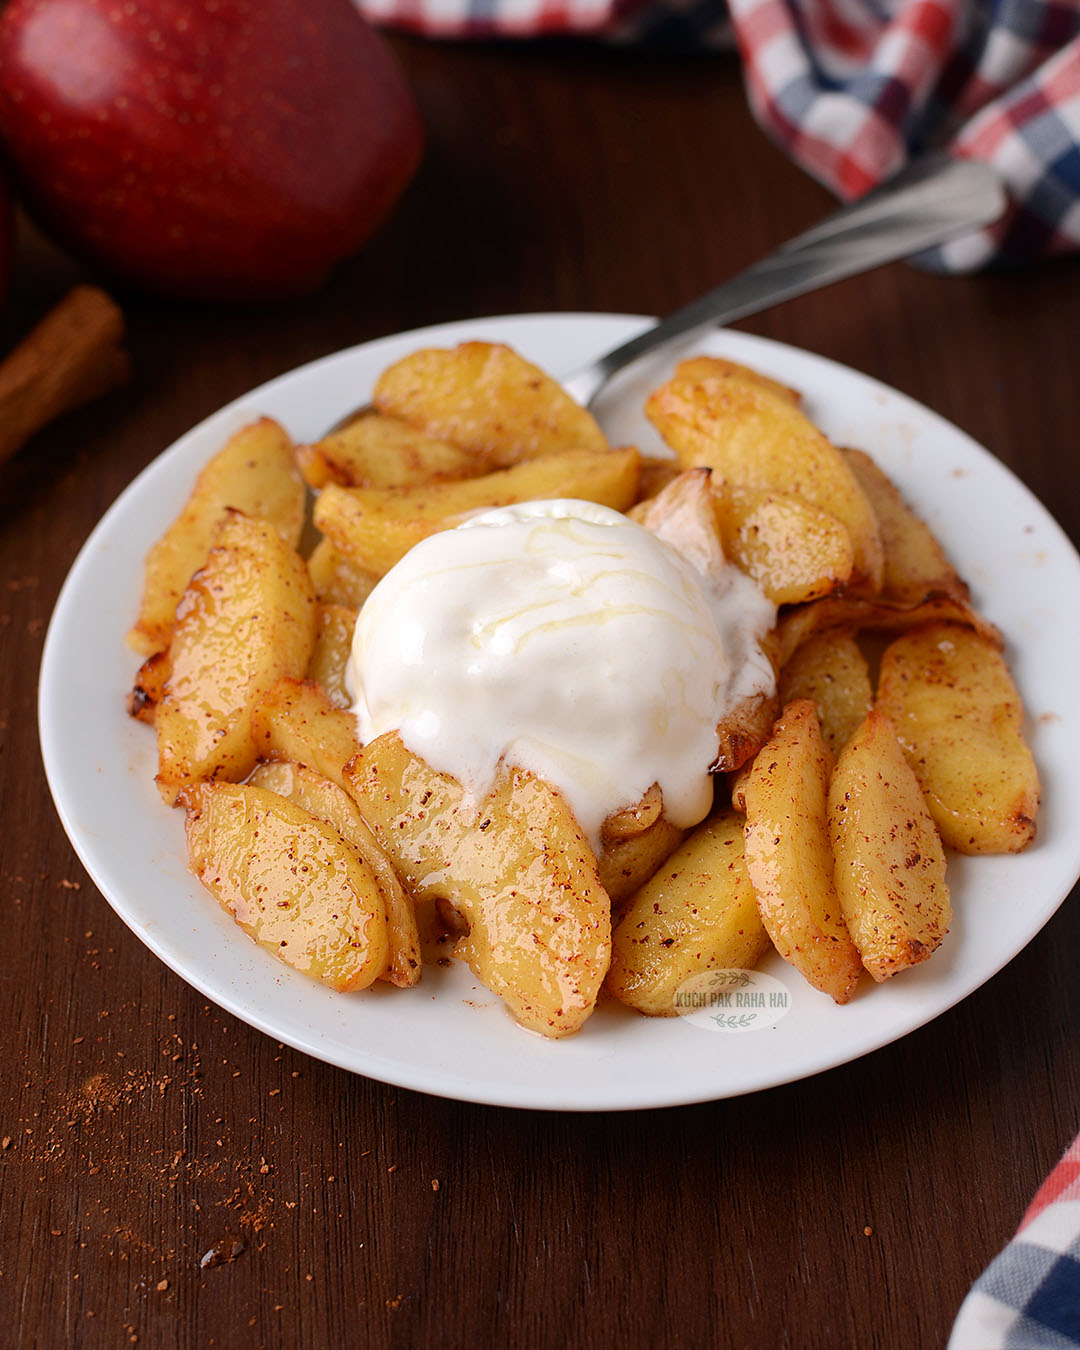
(337, 579)
(294, 885)
(377, 527)
(485, 398)
(794, 550)
(789, 854)
(752, 434)
(295, 721)
(514, 866)
(321, 798)
(831, 670)
(376, 451)
(254, 473)
(330, 657)
(803, 622)
(148, 688)
(890, 864)
(915, 564)
(697, 913)
(960, 720)
(246, 619)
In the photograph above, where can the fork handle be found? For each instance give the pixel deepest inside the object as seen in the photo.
(929, 202)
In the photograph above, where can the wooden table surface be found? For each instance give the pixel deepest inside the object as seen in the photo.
(143, 1128)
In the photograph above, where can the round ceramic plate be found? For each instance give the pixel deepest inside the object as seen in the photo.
(448, 1035)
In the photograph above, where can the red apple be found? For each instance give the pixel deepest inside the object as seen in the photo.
(212, 148)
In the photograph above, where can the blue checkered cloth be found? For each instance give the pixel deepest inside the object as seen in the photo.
(1028, 1298)
(852, 89)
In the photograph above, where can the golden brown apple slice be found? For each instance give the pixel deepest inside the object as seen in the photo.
(321, 798)
(514, 865)
(254, 473)
(831, 670)
(915, 563)
(290, 880)
(376, 451)
(960, 720)
(246, 620)
(337, 579)
(697, 913)
(333, 646)
(794, 550)
(484, 397)
(377, 527)
(890, 865)
(295, 721)
(789, 853)
(753, 435)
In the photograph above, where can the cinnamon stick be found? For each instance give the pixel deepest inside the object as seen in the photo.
(72, 356)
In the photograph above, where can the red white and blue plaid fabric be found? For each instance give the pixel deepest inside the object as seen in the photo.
(854, 88)
(1028, 1298)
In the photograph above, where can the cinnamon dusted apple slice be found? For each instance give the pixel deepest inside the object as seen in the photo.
(789, 853)
(960, 720)
(253, 473)
(376, 527)
(246, 619)
(890, 864)
(831, 670)
(485, 398)
(697, 913)
(514, 866)
(752, 434)
(325, 800)
(290, 881)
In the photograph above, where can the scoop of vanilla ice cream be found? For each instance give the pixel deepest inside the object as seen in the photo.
(562, 637)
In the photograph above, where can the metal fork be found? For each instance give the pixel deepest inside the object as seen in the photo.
(933, 200)
(930, 202)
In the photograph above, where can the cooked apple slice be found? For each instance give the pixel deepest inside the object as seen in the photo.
(626, 864)
(697, 913)
(794, 550)
(485, 398)
(321, 798)
(337, 579)
(293, 884)
(718, 367)
(377, 527)
(246, 620)
(148, 689)
(376, 451)
(890, 864)
(254, 473)
(751, 435)
(295, 721)
(915, 563)
(515, 866)
(960, 720)
(789, 853)
(333, 646)
(831, 670)
(803, 622)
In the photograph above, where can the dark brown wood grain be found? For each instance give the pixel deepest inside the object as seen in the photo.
(144, 1131)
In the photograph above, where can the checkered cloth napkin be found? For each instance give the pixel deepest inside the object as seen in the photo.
(853, 88)
(1028, 1298)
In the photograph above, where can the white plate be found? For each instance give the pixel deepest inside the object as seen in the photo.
(448, 1036)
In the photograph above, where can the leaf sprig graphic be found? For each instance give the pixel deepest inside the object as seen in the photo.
(741, 978)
